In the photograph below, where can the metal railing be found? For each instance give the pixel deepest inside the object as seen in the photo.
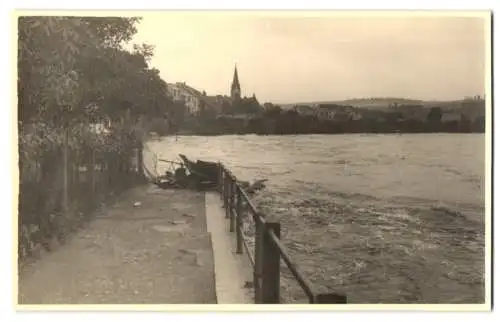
(268, 249)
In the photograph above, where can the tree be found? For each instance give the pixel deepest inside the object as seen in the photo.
(66, 63)
(206, 113)
(273, 111)
(434, 116)
(111, 31)
(226, 107)
(288, 122)
(177, 115)
(47, 50)
(72, 71)
(479, 124)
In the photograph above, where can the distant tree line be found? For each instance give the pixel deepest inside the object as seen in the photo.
(276, 121)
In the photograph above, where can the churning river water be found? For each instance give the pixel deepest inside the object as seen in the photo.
(381, 218)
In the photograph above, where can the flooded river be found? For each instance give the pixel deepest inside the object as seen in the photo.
(381, 218)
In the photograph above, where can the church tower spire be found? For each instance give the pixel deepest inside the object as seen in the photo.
(235, 86)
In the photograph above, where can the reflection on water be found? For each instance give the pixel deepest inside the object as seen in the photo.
(383, 218)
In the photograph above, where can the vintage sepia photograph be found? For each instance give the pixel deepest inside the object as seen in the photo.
(254, 157)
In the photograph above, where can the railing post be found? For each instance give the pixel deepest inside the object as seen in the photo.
(219, 190)
(65, 169)
(220, 182)
(140, 163)
(330, 298)
(239, 222)
(228, 194)
(225, 191)
(271, 265)
(232, 218)
(257, 269)
(91, 172)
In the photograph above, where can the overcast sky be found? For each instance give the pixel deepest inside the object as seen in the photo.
(303, 57)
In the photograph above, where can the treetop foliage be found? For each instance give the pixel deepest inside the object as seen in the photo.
(66, 64)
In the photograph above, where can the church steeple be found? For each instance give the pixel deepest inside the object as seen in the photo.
(235, 86)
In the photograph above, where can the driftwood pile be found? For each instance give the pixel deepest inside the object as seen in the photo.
(200, 175)
(252, 188)
(169, 181)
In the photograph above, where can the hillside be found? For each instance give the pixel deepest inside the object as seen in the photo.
(380, 103)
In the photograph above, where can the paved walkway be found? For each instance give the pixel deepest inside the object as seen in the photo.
(157, 253)
(232, 271)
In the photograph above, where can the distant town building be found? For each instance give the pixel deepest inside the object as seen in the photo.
(214, 103)
(235, 86)
(235, 104)
(327, 111)
(335, 112)
(186, 94)
(355, 115)
(412, 112)
(305, 110)
(473, 109)
(268, 105)
(195, 100)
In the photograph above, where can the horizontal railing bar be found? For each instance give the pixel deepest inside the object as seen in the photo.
(173, 162)
(249, 253)
(303, 282)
